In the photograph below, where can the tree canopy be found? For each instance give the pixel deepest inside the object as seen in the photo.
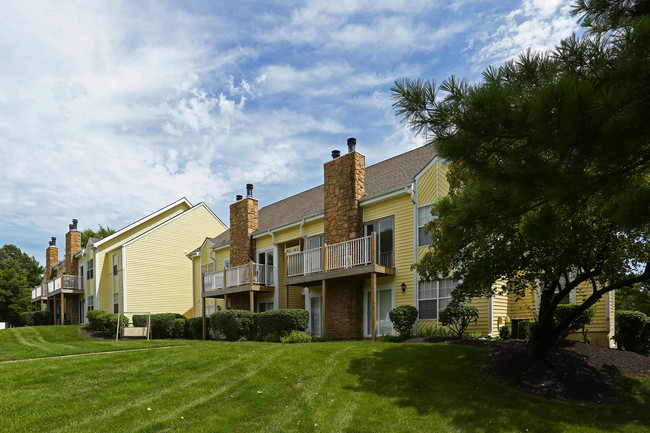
(549, 174)
(101, 233)
(19, 273)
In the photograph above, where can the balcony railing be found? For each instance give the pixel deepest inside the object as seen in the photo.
(37, 292)
(65, 282)
(343, 255)
(260, 275)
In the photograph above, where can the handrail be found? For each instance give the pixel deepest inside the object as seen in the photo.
(236, 276)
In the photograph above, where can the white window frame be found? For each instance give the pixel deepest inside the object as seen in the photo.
(90, 303)
(426, 209)
(116, 302)
(439, 300)
(266, 302)
(90, 269)
(366, 313)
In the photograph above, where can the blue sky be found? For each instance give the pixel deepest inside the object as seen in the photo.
(111, 110)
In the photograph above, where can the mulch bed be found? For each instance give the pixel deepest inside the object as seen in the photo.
(573, 371)
(94, 334)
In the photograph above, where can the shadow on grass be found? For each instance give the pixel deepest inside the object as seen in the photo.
(444, 380)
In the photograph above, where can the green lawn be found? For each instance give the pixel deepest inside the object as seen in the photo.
(240, 387)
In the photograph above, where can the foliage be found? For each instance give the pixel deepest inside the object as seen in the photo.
(101, 233)
(180, 328)
(25, 318)
(475, 335)
(272, 338)
(162, 324)
(99, 320)
(458, 317)
(440, 332)
(296, 337)
(41, 317)
(548, 170)
(94, 319)
(234, 324)
(578, 321)
(19, 273)
(140, 320)
(504, 332)
(387, 338)
(523, 329)
(282, 321)
(195, 328)
(403, 318)
(324, 339)
(633, 332)
(634, 298)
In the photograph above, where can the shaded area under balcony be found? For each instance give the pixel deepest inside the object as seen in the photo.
(238, 279)
(356, 258)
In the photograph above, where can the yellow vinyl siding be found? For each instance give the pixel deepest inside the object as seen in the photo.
(522, 308)
(222, 256)
(157, 275)
(196, 271)
(483, 324)
(313, 228)
(443, 184)
(401, 210)
(499, 311)
(428, 186)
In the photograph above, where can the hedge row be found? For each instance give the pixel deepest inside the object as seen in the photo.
(171, 325)
(243, 324)
(99, 320)
(34, 318)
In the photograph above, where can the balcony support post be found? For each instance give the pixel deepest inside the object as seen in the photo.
(286, 296)
(324, 257)
(252, 300)
(62, 307)
(205, 325)
(373, 248)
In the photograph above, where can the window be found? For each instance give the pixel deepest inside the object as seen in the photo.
(90, 272)
(226, 263)
(433, 296)
(263, 306)
(91, 303)
(265, 258)
(424, 216)
(384, 230)
(116, 303)
(315, 242)
(81, 277)
(114, 264)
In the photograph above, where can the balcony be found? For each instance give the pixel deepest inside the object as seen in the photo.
(37, 293)
(237, 279)
(63, 284)
(357, 257)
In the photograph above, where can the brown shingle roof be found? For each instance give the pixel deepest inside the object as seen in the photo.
(382, 177)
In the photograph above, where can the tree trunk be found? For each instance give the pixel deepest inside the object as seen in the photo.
(542, 339)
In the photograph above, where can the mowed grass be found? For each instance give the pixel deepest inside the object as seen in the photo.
(264, 387)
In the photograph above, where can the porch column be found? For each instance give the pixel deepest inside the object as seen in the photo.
(324, 313)
(62, 307)
(225, 302)
(373, 288)
(252, 296)
(286, 296)
(205, 327)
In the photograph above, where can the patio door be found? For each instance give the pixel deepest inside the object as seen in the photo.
(384, 305)
(315, 315)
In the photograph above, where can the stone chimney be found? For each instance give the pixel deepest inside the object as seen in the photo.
(344, 186)
(243, 222)
(51, 259)
(72, 246)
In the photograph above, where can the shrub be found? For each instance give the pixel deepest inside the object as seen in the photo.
(94, 319)
(162, 324)
(458, 317)
(579, 323)
(195, 328)
(282, 322)
(325, 338)
(436, 332)
(633, 332)
(25, 318)
(41, 317)
(387, 338)
(140, 320)
(403, 318)
(296, 337)
(109, 324)
(504, 332)
(272, 338)
(234, 324)
(523, 329)
(180, 328)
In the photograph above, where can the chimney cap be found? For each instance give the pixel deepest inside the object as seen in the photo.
(352, 143)
(249, 190)
(52, 241)
(239, 197)
(336, 154)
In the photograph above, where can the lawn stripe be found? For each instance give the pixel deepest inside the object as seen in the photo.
(10, 361)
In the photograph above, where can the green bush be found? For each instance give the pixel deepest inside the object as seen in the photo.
(403, 318)
(387, 338)
(109, 324)
(296, 337)
(504, 332)
(436, 332)
(25, 318)
(579, 323)
(282, 322)
(140, 320)
(180, 328)
(162, 324)
(94, 319)
(41, 318)
(325, 338)
(234, 324)
(633, 332)
(458, 317)
(523, 329)
(272, 338)
(195, 328)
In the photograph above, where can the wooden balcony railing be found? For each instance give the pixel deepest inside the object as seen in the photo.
(245, 275)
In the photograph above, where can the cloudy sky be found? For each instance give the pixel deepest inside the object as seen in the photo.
(112, 110)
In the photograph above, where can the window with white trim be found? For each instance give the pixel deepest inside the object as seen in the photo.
(433, 296)
(91, 302)
(263, 306)
(116, 303)
(90, 269)
(424, 216)
(114, 258)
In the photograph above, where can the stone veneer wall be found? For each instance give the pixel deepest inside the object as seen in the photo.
(243, 222)
(343, 187)
(51, 259)
(72, 246)
(344, 309)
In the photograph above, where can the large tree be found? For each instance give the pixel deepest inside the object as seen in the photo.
(101, 233)
(549, 167)
(19, 273)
